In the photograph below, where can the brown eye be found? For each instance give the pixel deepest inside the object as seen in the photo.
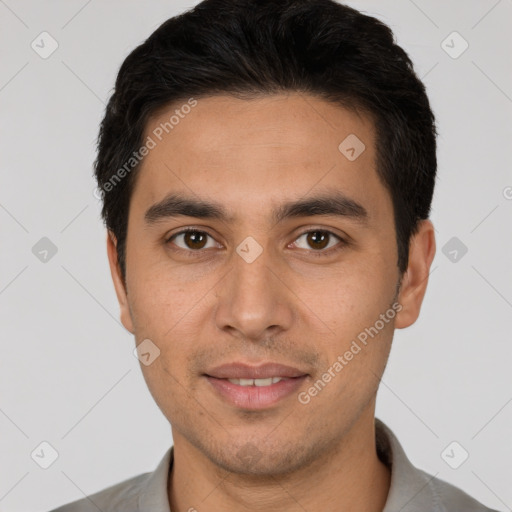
(317, 240)
(192, 240)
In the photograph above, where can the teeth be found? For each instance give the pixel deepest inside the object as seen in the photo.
(256, 382)
(263, 382)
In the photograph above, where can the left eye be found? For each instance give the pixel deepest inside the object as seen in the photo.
(317, 239)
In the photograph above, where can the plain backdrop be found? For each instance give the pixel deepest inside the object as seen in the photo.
(68, 376)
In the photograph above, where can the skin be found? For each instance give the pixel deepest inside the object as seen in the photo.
(292, 305)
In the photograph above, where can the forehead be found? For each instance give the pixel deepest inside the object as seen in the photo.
(294, 120)
(249, 151)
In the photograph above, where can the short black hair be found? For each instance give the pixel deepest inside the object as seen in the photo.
(250, 48)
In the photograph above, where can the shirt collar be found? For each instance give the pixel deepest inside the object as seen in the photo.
(410, 489)
(153, 495)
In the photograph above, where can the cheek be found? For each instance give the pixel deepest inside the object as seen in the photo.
(351, 304)
(172, 315)
(352, 297)
(166, 386)
(161, 296)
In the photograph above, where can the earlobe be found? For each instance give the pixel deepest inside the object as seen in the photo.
(422, 250)
(119, 285)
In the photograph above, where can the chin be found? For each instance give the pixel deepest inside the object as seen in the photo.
(261, 460)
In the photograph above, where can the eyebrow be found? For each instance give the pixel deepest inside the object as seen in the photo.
(337, 204)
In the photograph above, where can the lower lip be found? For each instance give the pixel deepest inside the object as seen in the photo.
(255, 397)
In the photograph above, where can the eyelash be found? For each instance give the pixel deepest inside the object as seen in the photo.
(319, 253)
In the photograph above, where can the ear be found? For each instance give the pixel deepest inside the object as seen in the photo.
(119, 284)
(422, 250)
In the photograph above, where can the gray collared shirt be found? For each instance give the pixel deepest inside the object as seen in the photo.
(411, 490)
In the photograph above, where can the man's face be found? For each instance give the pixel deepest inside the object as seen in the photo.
(257, 287)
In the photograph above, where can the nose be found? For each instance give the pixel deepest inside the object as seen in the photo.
(253, 303)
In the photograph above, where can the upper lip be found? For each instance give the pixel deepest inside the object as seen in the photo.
(245, 371)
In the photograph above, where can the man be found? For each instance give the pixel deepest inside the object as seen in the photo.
(267, 169)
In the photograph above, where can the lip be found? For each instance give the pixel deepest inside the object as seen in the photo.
(262, 371)
(254, 397)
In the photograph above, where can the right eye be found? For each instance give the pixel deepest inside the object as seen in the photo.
(192, 240)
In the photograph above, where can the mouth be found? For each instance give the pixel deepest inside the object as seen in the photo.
(254, 387)
(257, 382)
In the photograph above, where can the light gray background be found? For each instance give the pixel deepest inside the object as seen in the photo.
(67, 372)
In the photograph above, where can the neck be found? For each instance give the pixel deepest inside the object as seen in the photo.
(349, 477)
